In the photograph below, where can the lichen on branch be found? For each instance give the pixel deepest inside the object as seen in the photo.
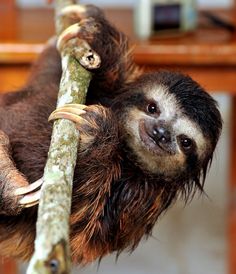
(52, 252)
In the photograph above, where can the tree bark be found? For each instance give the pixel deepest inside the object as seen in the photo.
(52, 251)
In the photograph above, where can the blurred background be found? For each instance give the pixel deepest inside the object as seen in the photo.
(131, 3)
(194, 239)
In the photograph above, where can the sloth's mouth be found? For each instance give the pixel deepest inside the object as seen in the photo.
(150, 143)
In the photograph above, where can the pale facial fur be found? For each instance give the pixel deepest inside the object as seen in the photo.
(181, 125)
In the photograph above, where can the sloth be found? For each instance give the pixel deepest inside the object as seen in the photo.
(146, 139)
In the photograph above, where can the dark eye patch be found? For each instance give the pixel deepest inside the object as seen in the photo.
(186, 144)
(152, 108)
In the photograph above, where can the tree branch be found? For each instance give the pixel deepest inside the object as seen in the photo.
(52, 252)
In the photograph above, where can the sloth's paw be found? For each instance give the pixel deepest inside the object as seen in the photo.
(76, 13)
(89, 120)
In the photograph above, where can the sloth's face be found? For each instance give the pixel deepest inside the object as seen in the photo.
(161, 136)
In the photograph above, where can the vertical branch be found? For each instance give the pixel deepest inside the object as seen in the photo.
(52, 252)
(60, 24)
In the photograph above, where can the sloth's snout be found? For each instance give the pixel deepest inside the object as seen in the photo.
(161, 135)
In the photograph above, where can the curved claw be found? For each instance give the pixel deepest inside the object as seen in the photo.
(31, 204)
(70, 112)
(27, 189)
(82, 50)
(77, 11)
(30, 199)
(69, 33)
(30, 196)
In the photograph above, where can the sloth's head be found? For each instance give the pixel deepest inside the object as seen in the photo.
(170, 124)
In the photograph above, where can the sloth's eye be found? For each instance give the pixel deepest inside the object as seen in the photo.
(152, 108)
(186, 143)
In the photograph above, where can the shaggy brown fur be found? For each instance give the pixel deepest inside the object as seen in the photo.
(116, 200)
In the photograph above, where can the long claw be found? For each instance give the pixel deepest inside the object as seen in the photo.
(27, 189)
(75, 106)
(72, 108)
(30, 199)
(77, 11)
(70, 112)
(69, 33)
(88, 58)
(65, 115)
(30, 205)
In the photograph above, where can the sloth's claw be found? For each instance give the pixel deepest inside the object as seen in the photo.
(81, 19)
(82, 51)
(69, 33)
(27, 189)
(76, 12)
(30, 199)
(88, 120)
(71, 112)
(30, 194)
(30, 204)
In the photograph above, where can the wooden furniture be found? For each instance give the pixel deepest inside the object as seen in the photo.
(8, 31)
(7, 10)
(208, 55)
(8, 266)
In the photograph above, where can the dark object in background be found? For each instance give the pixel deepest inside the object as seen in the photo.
(166, 17)
(153, 17)
(218, 21)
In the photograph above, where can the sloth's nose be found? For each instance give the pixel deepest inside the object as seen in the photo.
(161, 135)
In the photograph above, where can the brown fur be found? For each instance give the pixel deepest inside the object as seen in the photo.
(115, 200)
